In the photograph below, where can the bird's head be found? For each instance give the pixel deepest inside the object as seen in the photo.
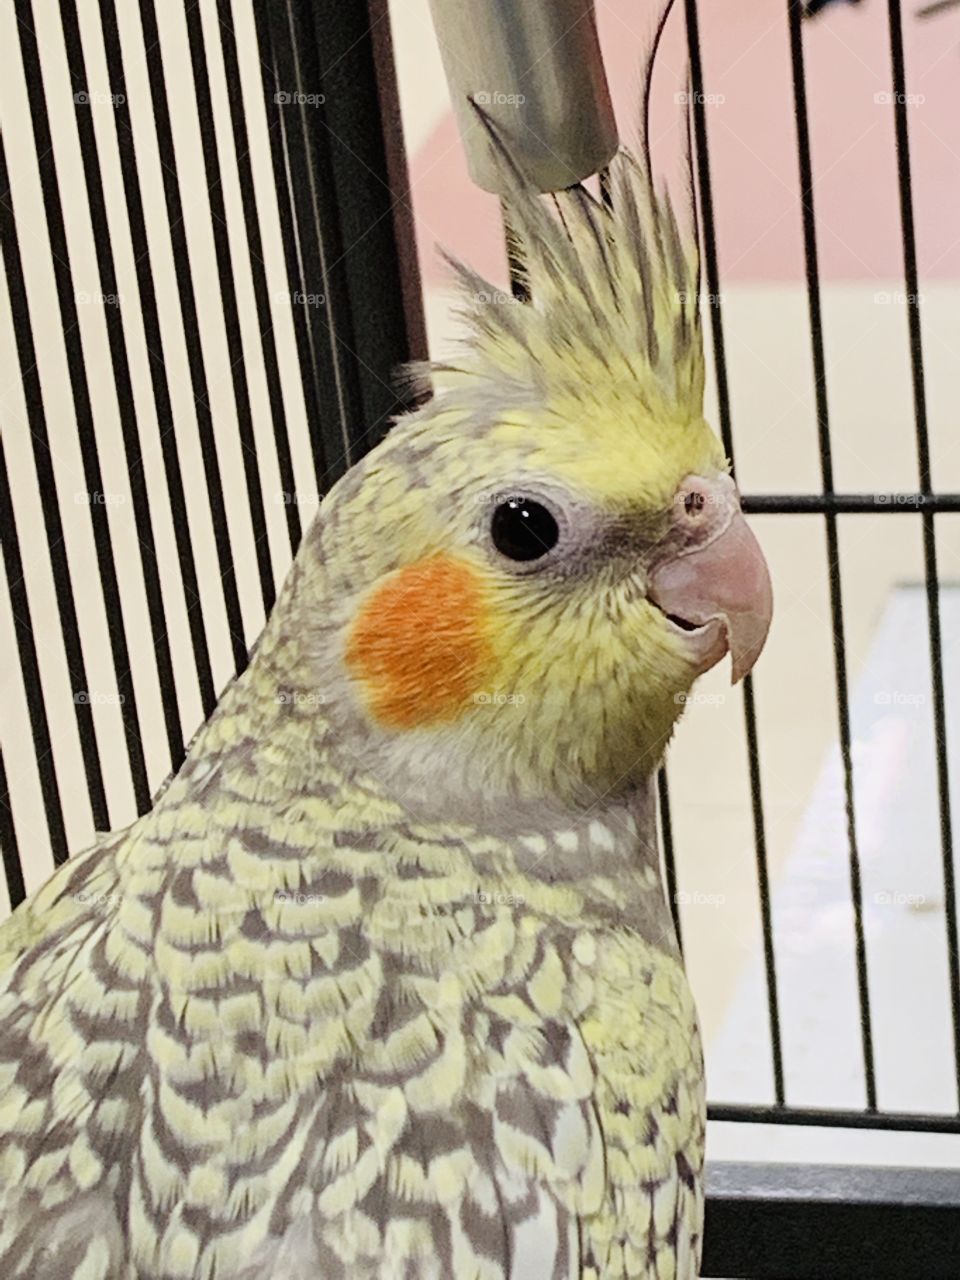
(522, 582)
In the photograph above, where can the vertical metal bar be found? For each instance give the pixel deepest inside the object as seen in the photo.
(931, 576)
(377, 253)
(708, 231)
(316, 389)
(241, 144)
(9, 849)
(191, 324)
(53, 524)
(795, 17)
(669, 857)
(130, 175)
(397, 236)
(763, 887)
(139, 493)
(320, 284)
(707, 224)
(80, 389)
(345, 175)
(33, 689)
(228, 296)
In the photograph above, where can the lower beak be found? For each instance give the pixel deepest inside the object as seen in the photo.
(723, 584)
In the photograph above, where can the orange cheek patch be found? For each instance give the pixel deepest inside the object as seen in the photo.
(418, 643)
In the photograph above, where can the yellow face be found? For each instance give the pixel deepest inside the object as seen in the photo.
(503, 618)
(528, 575)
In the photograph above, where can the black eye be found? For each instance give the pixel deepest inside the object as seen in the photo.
(523, 530)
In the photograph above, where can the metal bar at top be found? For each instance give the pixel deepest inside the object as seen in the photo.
(795, 17)
(702, 156)
(929, 533)
(536, 71)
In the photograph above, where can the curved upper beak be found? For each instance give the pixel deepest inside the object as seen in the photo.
(726, 580)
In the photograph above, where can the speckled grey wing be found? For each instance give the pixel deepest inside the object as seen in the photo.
(81, 1239)
(487, 1190)
(57, 1218)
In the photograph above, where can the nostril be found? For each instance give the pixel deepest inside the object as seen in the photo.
(694, 502)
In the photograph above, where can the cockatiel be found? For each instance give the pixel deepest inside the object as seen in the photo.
(386, 985)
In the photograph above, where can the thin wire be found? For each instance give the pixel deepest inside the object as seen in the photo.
(723, 400)
(795, 17)
(931, 575)
(669, 857)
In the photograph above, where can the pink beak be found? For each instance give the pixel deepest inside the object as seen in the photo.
(718, 577)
